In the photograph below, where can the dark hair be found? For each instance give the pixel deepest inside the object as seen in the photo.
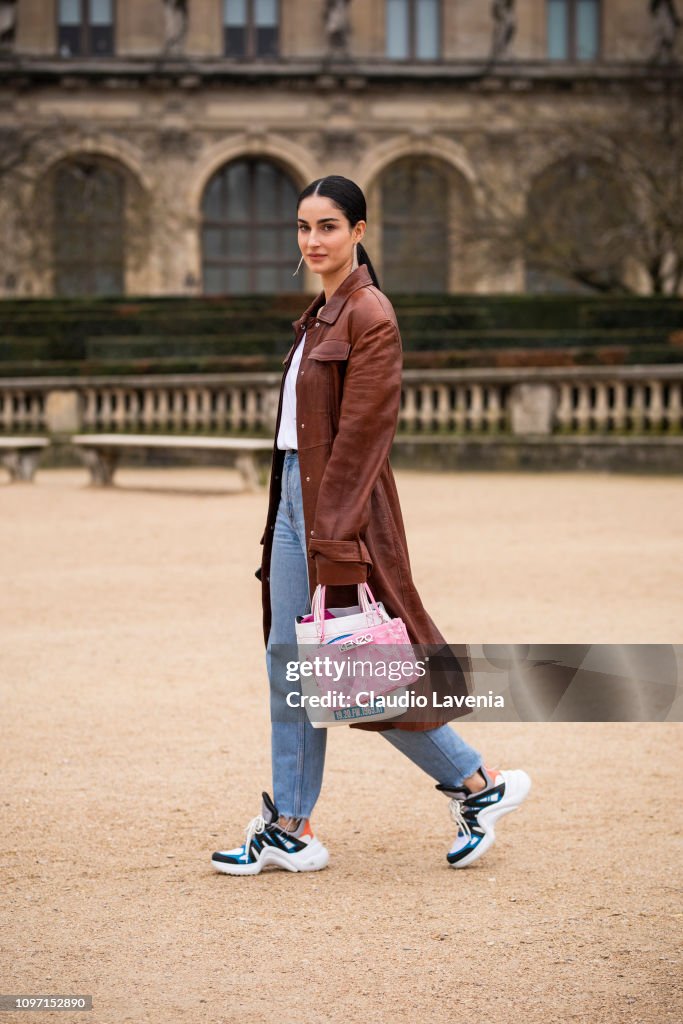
(345, 194)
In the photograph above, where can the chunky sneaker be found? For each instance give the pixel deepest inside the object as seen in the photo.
(476, 814)
(267, 844)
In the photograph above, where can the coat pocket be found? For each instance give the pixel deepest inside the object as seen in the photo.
(330, 350)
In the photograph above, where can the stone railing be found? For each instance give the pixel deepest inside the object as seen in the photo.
(517, 402)
(599, 400)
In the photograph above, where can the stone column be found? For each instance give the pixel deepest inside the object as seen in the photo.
(64, 411)
(532, 408)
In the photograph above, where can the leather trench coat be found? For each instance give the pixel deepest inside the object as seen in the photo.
(348, 396)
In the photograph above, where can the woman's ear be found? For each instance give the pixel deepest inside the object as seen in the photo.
(359, 231)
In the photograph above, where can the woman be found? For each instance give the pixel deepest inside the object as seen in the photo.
(334, 518)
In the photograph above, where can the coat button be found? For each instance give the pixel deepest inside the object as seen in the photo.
(317, 323)
(312, 533)
(302, 426)
(308, 479)
(301, 374)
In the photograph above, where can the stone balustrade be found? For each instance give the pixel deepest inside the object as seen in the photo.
(637, 401)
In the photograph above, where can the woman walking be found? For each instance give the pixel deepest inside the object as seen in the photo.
(334, 518)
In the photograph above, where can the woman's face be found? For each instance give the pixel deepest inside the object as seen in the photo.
(326, 238)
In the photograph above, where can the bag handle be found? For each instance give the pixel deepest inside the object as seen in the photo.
(366, 600)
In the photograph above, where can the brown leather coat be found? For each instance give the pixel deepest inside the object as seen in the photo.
(348, 395)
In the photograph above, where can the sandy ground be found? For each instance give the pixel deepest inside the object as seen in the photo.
(135, 741)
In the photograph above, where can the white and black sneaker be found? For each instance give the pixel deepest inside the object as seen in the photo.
(476, 814)
(267, 844)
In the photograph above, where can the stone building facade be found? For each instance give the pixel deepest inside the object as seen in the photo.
(156, 147)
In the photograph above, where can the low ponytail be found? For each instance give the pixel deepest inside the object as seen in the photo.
(364, 260)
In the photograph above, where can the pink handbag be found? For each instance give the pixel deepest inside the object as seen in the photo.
(384, 646)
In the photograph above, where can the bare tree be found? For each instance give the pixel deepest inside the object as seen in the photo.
(94, 202)
(610, 199)
(20, 241)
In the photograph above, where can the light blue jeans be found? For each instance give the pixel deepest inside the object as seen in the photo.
(298, 749)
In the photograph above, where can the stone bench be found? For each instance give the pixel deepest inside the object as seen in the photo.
(21, 455)
(101, 452)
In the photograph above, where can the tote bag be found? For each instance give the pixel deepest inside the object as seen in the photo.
(365, 646)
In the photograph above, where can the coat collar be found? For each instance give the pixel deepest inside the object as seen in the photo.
(359, 278)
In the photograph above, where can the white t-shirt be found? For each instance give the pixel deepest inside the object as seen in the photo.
(286, 435)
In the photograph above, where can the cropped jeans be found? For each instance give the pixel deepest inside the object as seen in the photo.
(298, 749)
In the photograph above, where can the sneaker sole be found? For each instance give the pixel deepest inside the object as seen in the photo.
(517, 786)
(314, 858)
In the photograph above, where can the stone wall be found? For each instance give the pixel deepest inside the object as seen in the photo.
(170, 124)
(626, 25)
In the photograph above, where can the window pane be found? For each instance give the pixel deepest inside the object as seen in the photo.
(68, 282)
(266, 13)
(69, 12)
(238, 191)
(237, 281)
(102, 40)
(427, 30)
(289, 196)
(397, 29)
(266, 42)
(284, 283)
(235, 12)
(106, 281)
(396, 192)
(267, 279)
(288, 246)
(238, 243)
(265, 241)
(106, 246)
(557, 30)
(101, 12)
(587, 29)
(266, 185)
(212, 199)
(235, 42)
(214, 281)
(213, 238)
(69, 40)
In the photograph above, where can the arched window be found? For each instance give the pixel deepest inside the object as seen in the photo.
(249, 230)
(415, 226)
(89, 212)
(576, 235)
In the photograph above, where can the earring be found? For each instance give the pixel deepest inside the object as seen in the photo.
(297, 269)
(354, 265)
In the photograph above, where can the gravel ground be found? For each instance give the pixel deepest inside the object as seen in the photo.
(135, 742)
